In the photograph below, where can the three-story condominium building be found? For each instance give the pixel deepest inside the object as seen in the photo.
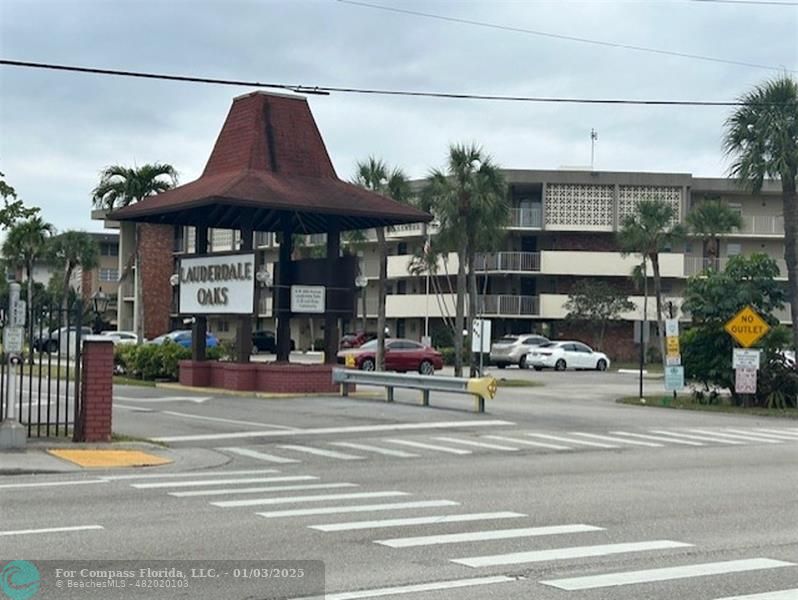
(563, 227)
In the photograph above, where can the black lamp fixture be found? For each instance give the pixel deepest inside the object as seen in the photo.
(99, 304)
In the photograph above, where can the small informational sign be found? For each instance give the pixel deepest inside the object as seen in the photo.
(217, 285)
(672, 327)
(673, 361)
(745, 359)
(307, 299)
(672, 346)
(747, 327)
(19, 310)
(745, 381)
(12, 339)
(480, 336)
(674, 378)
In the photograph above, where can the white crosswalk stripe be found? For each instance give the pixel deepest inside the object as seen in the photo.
(191, 474)
(608, 438)
(481, 536)
(411, 521)
(777, 595)
(332, 510)
(434, 447)
(784, 432)
(477, 444)
(657, 438)
(770, 436)
(534, 556)
(566, 440)
(262, 489)
(665, 574)
(509, 440)
(259, 455)
(208, 482)
(375, 449)
(701, 438)
(51, 530)
(415, 588)
(302, 499)
(747, 438)
(321, 452)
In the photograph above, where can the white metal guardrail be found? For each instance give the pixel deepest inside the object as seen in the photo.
(481, 388)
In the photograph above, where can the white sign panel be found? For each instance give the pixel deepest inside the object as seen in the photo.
(217, 285)
(308, 299)
(673, 361)
(480, 338)
(674, 378)
(745, 359)
(672, 327)
(12, 339)
(745, 381)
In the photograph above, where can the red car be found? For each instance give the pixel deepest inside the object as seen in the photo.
(400, 355)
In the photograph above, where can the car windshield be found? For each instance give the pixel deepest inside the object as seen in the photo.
(372, 345)
(507, 339)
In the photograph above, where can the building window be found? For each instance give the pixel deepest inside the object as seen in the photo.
(109, 275)
(401, 287)
(107, 249)
(401, 248)
(733, 249)
(223, 326)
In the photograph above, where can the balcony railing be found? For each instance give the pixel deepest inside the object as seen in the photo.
(525, 262)
(506, 305)
(526, 218)
(762, 225)
(694, 265)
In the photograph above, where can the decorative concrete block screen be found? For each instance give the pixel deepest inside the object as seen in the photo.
(586, 207)
(630, 195)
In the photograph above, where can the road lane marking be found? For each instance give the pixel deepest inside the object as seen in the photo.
(480, 536)
(570, 440)
(476, 444)
(203, 482)
(776, 595)
(133, 408)
(434, 447)
(415, 588)
(195, 399)
(784, 432)
(608, 438)
(52, 530)
(376, 449)
(11, 486)
(747, 438)
(325, 430)
(302, 499)
(262, 489)
(332, 510)
(321, 452)
(517, 558)
(701, 438)
(657, 438)
(223, 420)
(191, 474)
(502, 438)
(259, 455)
(649, 575)
(769, 436)
(410, 521)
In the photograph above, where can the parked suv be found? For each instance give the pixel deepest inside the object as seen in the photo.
(50, 342)
(512, 349)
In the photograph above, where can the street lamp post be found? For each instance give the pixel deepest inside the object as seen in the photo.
(99, 304)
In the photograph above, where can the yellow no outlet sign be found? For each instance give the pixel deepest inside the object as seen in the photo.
(747, 327)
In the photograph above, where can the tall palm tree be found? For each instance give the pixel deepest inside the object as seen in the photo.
(762, 138)
(25, 243)
(709, 220)
(70, 250)
(648, 231)
(469, 199)
(373, 174)
(120, 186)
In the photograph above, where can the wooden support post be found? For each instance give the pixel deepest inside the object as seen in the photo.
(283, 312)
(244, 338)
(331, 318)
(200, 327)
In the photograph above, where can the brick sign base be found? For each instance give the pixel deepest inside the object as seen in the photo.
(279, 378)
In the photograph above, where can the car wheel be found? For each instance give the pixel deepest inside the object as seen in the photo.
(426, 368)
(522, 363)
(501, 365)
(538, 368)
(560, 365)
(601, 365)
(367, 364)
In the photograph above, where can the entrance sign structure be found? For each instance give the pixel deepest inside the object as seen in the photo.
(269, 171)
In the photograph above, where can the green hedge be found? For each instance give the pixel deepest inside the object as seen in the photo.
(155, 361)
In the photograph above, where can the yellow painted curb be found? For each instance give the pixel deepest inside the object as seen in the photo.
(109, 458)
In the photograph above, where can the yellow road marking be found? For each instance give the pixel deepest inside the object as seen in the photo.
(110, 458)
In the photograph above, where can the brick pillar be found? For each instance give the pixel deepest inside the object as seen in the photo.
(96, 391)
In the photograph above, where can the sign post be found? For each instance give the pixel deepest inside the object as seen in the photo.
(747, 327)
(12, 433)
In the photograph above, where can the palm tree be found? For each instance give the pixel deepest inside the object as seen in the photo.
(469, 199)
(648, 231)
(373, 174)
(709, 220)
(120, 186)
(70, 250)
(762, 137)
(25, 243)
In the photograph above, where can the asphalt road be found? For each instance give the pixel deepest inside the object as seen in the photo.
(556, 493)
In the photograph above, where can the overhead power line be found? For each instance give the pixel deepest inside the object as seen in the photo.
(559, 36)
(326, 90)
(750, 2)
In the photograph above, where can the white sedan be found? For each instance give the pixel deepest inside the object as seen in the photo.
(566, 355)
(122, 338)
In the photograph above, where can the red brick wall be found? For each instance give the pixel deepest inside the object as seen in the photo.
(618, 343)
(96, 392)
(157, 265)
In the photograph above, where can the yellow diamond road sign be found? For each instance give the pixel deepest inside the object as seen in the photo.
(747, 327)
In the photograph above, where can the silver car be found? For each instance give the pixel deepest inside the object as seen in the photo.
(512, 349)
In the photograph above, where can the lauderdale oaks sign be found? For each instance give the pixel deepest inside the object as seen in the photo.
(217, 285)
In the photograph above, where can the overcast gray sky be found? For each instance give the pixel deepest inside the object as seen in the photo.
(58, 130)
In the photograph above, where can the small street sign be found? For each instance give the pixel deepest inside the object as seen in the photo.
(745, 381)
(672, 327)
(672, 346)
(18, 312)
(674, 378)
(12, 339)
(480, 336)
(745, 359)
(673, 361)
(747, 327)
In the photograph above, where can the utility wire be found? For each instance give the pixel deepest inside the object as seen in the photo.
(327, 90)
(558, 36)
(750, 2)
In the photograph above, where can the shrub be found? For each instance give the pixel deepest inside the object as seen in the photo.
(150, 361)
